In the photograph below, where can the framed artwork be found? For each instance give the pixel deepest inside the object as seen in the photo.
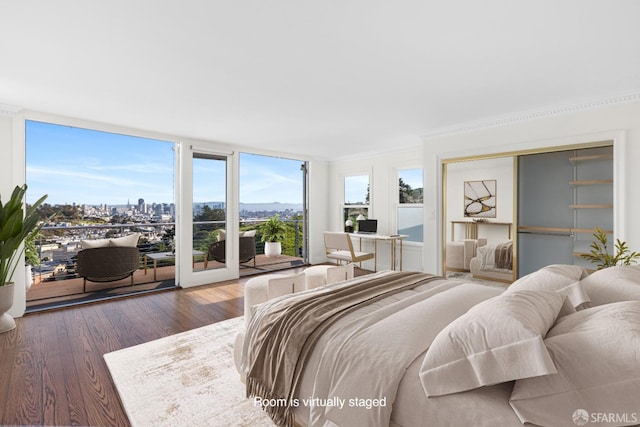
(480, 199)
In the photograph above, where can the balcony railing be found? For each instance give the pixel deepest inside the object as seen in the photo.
(58, 245)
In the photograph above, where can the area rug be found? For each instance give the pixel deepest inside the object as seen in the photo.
(187, 379)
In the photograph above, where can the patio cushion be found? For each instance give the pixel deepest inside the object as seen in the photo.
(95, 243)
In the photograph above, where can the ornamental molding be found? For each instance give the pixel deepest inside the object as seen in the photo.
(534, 115)
(9, 110)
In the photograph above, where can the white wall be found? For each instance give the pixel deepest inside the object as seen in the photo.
(617, 122)
(499, 169)
(5, 157)
(9, 159)
(383, 193)
(319, 203)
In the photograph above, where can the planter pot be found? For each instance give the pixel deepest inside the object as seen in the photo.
(6, 301)
(28, 276)
(272, 248)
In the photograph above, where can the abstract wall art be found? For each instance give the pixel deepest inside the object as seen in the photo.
(480, 199)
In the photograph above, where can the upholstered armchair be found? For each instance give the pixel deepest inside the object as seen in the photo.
(459, 253)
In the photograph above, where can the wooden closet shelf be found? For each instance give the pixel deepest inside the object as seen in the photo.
(559, 229)
(591, 157)
(591, 206)
(591, 181)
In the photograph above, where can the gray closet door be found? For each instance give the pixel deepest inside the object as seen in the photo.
(562, 196)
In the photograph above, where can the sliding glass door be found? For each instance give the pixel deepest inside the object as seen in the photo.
(207, 253)
(209, 212)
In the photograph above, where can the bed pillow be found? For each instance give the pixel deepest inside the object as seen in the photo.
(95, 243)
(130, 241)
(596, 353)
(498, 340)
(559, 278)
(613, 284)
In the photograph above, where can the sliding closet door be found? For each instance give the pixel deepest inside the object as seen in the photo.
(544, 213)
(562, 197)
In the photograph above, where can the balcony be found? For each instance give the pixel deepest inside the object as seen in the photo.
(56, 283)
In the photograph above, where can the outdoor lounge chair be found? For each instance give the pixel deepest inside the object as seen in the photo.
(217, 250)
(107, 264)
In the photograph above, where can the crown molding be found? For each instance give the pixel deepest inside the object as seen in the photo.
(9, 110)
(533, 115)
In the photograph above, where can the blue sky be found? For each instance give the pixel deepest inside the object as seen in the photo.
(74, 165)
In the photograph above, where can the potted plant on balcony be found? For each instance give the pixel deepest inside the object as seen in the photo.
(273, 232)
(15, 227)
(31, 257)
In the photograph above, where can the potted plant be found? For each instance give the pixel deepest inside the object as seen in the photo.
(31, 257)
(15, 226)
(273, 232)
(601, 257)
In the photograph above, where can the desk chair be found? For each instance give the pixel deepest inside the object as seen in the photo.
(338, 246)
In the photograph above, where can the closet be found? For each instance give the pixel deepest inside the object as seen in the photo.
(562, 197)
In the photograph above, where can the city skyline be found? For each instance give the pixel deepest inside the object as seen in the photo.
(88, 167)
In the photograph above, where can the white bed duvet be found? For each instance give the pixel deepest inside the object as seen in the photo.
(386, 337)
(448, 353)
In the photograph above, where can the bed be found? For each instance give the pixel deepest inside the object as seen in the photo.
(407, 349)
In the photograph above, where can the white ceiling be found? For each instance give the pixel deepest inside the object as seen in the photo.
(323, 78)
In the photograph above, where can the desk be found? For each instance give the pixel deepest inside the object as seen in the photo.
(393, 239)
(159, 256)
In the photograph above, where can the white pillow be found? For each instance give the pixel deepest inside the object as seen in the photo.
(559, 278)
(487, 256)
(498, 340)
(95, 243)
(613, 284)
(250, 233)
(596, 354)
(130, 240)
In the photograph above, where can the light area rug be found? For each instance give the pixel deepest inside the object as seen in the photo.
(187, 379)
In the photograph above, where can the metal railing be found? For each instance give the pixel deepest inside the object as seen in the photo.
(58, 245)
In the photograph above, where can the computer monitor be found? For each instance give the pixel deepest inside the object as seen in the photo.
(369, 226)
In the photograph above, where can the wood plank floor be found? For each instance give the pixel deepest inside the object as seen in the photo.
(51, 366)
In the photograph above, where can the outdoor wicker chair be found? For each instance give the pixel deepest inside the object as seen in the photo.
(107, 264)
(217, 250)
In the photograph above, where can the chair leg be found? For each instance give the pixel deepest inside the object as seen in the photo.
(84, 285)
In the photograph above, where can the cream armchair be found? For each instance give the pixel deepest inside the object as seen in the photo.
(459, 253)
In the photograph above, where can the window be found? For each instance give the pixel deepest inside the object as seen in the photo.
(410, 220)
(100, 185)
(356, 198)
(209, 209)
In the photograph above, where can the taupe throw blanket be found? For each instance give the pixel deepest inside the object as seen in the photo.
(504, 255)
(281, 340)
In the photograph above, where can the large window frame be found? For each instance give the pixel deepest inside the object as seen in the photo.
(409, 204)
(356, 200)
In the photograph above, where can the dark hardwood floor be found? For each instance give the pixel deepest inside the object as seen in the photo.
(51, 366)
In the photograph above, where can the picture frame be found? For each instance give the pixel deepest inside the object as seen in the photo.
(480, 199)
